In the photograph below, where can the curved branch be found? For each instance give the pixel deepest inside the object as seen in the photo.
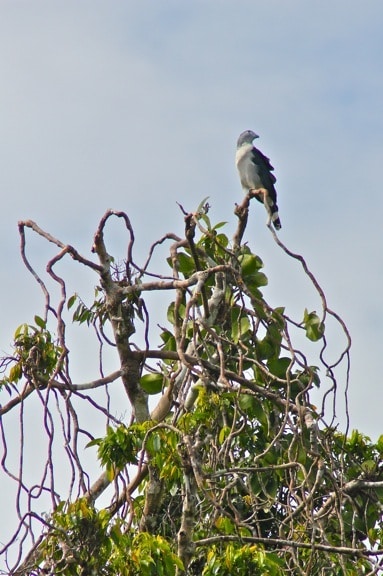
(45, 382)
(285, 543)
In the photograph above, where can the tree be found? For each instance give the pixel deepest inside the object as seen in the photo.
(223, 465)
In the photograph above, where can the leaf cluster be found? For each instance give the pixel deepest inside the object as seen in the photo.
(234, 470)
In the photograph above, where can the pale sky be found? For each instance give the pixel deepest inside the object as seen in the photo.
(137, 105)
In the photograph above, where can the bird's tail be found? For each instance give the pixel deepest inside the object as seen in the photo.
(274, 216)
(272, 210)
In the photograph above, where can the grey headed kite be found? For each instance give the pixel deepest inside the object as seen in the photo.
(255, 173)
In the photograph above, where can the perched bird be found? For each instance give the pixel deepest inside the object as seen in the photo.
(255, 173)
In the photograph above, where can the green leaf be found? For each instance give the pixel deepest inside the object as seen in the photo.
(255, 484)
(309, 376)
(225, 525)
(246, 402)
(22, 329)
(219, 225)
(71, 301)
(152, 383)
(278, 316)
(253, 278)
(110, 473)
(94, 442)
(205, 218)
(250, 264)
(186, 264)
(271, 487)
(201, 207)
(223, 241)
(223, 434)
(368, 466)
(279, 366)
(265, 349)
(239, 324)
(169, 341)
(15, 373)
(40, 322)
(313, 325)
(171, 312)
(259, 279)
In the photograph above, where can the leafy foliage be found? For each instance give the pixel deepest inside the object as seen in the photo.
(35, 353)
(84, 541)
(230, 469)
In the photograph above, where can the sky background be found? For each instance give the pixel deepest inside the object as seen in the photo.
(137, 106)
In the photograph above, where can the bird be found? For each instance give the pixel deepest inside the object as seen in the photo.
(255, 173)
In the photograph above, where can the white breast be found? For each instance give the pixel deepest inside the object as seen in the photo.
(248, 173)
(241, 153)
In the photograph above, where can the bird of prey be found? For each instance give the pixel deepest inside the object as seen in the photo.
(255, 173)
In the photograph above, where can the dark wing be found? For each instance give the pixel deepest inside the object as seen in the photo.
(267, 178)
(265, 170)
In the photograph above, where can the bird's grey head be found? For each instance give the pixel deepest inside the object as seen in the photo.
(246, 137)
